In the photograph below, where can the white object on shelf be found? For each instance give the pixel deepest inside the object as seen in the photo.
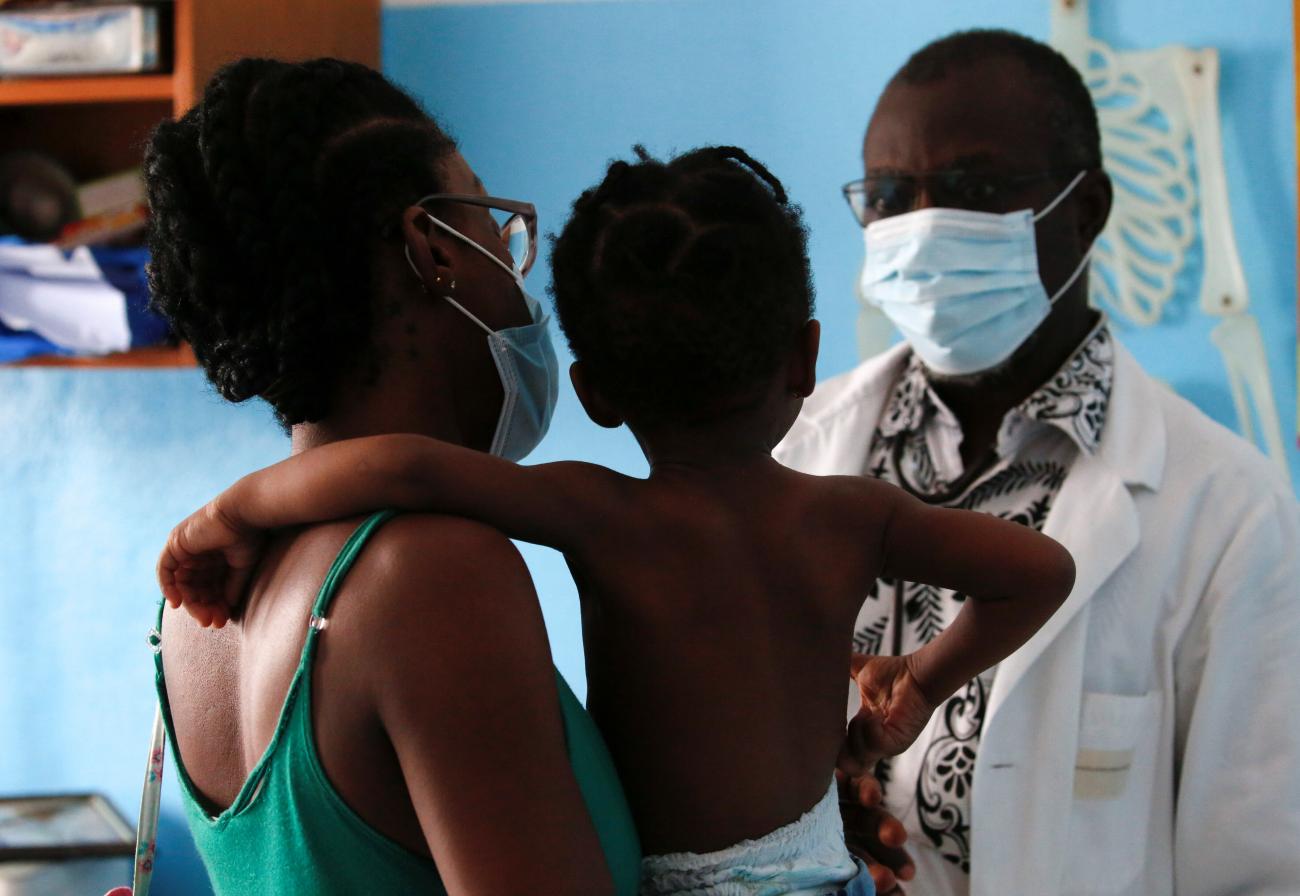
(94, 40)
(63, 298)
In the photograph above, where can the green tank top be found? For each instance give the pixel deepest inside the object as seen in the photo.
(289, 833)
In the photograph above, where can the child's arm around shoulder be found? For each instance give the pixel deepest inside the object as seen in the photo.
(551, 504)
(210, 555)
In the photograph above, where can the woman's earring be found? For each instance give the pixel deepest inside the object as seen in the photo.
(453, 284)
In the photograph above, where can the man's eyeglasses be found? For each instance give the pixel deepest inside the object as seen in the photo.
(881, 195)
(516, 224)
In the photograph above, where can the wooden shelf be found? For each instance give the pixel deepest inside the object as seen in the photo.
(92, 89)
(154, 356)
(97, 125)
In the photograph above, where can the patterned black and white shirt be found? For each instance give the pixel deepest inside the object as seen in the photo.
(917, 443)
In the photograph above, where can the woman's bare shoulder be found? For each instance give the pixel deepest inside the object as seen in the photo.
(441, 564)
(427, 583)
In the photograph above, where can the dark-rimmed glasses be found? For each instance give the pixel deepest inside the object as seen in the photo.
(882, 195)
(516, 224)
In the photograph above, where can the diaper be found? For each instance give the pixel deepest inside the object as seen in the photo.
(805, 858)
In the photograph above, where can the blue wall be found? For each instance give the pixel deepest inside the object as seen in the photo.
(96, 466)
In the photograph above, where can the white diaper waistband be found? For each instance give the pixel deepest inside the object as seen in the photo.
(804, 858)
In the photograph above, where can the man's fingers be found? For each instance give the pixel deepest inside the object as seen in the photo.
(897, 861)
(873, 833)
(870, 794)
(883, 877)
(847, 766)
(886, 881)
(860, 750)
(891, 833)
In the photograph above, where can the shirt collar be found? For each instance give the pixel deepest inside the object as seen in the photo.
(1074, 400)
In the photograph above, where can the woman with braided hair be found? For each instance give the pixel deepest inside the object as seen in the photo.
(684, 290)
(399, 729)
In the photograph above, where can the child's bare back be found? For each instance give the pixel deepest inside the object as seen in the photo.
(718, 607)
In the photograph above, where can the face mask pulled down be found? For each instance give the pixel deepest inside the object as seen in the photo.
(526, 363)
(961, 286)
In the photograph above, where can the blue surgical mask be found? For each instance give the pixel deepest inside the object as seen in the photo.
(526, 363)
(961, 286)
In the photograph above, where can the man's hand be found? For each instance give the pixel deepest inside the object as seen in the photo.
(872, 834)
(207, 563)
(894, 713)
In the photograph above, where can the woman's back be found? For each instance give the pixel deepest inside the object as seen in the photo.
(272, 745)
(325, 740)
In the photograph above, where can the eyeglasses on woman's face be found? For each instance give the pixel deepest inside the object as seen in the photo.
(515, 224)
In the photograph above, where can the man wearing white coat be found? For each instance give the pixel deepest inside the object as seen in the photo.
(1147, 739)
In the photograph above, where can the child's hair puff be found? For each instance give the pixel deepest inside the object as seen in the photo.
(682, 285)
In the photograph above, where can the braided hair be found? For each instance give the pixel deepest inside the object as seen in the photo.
(682, 285)
(265, 199)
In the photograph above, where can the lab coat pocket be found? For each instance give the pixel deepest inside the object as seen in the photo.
(1114, 772)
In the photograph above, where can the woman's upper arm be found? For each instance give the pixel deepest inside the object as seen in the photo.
(467, 696)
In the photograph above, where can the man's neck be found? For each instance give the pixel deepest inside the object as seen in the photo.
(981, 401)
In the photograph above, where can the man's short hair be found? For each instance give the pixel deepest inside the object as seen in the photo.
(1072, 118)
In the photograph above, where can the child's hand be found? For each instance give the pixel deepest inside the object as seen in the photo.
(207, 564)
(894, 709)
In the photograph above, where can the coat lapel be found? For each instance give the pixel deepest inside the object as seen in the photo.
(1024, 771)
(1094, 515)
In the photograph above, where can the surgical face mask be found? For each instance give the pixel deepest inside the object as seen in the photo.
(961, 286)
(526, 363)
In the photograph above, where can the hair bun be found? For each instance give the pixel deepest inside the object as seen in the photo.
(240, 369)
(644, 245)
(716, 257)
(249, 264)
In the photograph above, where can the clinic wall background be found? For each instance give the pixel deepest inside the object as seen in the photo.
(96, 466)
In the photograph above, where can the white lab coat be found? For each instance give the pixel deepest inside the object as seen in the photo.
(1147, 740)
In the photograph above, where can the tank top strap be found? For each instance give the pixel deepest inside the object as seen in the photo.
(338, 571)
(299, 685)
